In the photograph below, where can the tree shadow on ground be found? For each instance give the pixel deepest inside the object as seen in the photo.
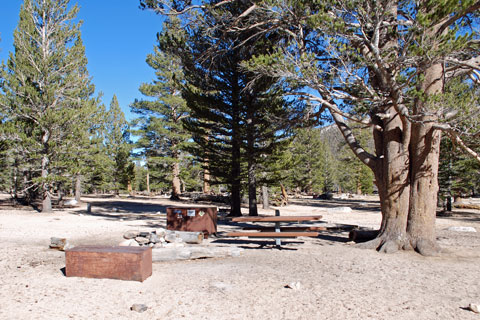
(125, 210)
(260, 244)
(464, 216)
(355, 204)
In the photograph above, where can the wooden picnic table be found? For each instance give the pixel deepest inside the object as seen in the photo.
(278, 231)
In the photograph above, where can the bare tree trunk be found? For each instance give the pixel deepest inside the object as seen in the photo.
(78, 187)
(392, 178)
(206, 174)
(425, 153)
(206, 181)
(252, 191)
(424, 189)
(266, 204)
(46, 196)
(148, 181)
(175, 181)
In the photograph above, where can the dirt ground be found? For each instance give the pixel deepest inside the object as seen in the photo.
(335, 279)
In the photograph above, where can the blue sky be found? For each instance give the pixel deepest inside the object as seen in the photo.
(117, 37)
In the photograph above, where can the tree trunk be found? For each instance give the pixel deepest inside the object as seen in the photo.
(236, 196)
(424, 188)
(206, 174)
(206, 181)
(252, 191)
(46, 196)
(175, 181)
(425, 153)
(284, 195)
(392, 177)
(148, 182)
(266, 204)
(78, 187)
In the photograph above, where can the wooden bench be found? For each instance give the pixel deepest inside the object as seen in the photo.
(277, 232)
(124, 263)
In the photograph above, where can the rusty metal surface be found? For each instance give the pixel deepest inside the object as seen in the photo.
(123, 263)
(202, 219)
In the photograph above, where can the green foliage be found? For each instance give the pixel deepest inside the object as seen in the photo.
(162, 136)
(47, 95)
(313, 168)
(118, 147)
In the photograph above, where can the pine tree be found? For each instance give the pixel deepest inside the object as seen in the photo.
(162, 135)
(118, 147)
(43, 81)
(235, 117)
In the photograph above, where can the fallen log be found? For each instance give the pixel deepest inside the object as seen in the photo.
(362, 235)
(184, 236)
(190, 253)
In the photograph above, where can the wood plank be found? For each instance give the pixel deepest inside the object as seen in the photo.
(272, 234)
(277, 219)
(124, 263)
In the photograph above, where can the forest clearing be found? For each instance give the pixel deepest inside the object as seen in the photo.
(321, 278)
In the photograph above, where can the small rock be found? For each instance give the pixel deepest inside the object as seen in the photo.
(126, 243)
(144, 234)
(474, 307)
(462, 229)
(294, 285)
(72, 202)
(134, 243)
(131, 234)
(236, 252)
(139, 307)
(142, 240)
(161, 232)
(221, 286)
(153, 238)
(60, 244)
(341, 210)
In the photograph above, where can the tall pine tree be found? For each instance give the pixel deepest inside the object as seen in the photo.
(43, 79)
(162, 135)
(118, 146)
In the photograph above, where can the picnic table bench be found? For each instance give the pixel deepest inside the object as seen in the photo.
(278, 232)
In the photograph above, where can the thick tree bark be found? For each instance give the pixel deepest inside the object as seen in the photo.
(424, 153)
(392, 178)
(424, 188)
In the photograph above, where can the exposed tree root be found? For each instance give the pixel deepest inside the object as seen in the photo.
(427, 248)
(387, 244)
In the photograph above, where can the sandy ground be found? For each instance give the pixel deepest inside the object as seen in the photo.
(336, 279)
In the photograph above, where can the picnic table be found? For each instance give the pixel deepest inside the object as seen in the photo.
(278, 232)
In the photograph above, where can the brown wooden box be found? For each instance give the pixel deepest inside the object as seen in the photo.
(124, 263)
(201, 219)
